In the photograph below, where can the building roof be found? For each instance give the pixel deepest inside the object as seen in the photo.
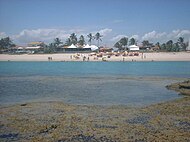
(36, 42)
(133, 48)
(94, 47)
(86, 46)
(72, 46)
(36, 47)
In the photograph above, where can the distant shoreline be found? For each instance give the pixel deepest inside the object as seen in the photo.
(156, 56)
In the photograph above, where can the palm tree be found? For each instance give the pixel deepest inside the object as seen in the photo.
(169, 45)
(132, 41)
(68, 42)
(98, 37)
(163, 47)
(73, 38)
(145, 43)
(180, 40)
(181, 43)
(50, 48)
(6, 43)
(123, 41)
(81, 40)
(118, 45)
(90, 38)
(57, 42)
(158, 44)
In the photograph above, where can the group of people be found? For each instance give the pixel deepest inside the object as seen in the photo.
(50, 58)
(84, 58)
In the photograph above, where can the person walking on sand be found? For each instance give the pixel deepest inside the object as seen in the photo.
(144, 56)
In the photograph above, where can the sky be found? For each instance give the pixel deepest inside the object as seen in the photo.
(43, 20)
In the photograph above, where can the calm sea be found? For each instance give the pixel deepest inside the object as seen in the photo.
(93, 83)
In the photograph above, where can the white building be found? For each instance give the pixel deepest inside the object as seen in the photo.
(133, 48)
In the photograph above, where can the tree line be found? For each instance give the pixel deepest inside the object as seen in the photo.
(72, 39)
(169, 46)
(122, 44)
(6, 43)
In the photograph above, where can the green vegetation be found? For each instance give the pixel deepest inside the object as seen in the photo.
(73, 38)
(118, 45)
(98, 37)
(6, 43)
(123, 42)
(169, 46)
(57, 42)
(132, 41)
(81, 41)
(90, 36)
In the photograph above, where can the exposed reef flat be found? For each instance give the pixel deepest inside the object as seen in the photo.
(181, 87)
(57, 121)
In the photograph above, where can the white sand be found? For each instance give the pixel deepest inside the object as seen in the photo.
(162, 56)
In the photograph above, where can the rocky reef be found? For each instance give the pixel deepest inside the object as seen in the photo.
(59, 122)
(182, 87)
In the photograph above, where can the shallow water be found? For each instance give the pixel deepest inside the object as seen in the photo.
(92, 83)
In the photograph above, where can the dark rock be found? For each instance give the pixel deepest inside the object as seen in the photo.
(83, 138)
(47, 130)
(139, 120)
(23, 104)
(182, 87)
(9, 136)
(105, 126)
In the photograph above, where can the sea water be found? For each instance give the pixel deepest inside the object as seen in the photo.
(91, 83)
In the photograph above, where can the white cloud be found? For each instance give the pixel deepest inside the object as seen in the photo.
(135, 37)
(46, 35)
(105, 31)
(163, 36)
(179, 33)
(76, 31)
(153, 35)
(118, 37)
(2, 34)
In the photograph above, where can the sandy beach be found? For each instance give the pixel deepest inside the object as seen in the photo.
(160, 56)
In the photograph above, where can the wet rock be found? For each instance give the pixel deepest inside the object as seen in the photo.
(9, 136)
(181, 87)
(105, 126)
(84, 138)
(185, 126)
(23, 104)
(48, 129)
(139, 120)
